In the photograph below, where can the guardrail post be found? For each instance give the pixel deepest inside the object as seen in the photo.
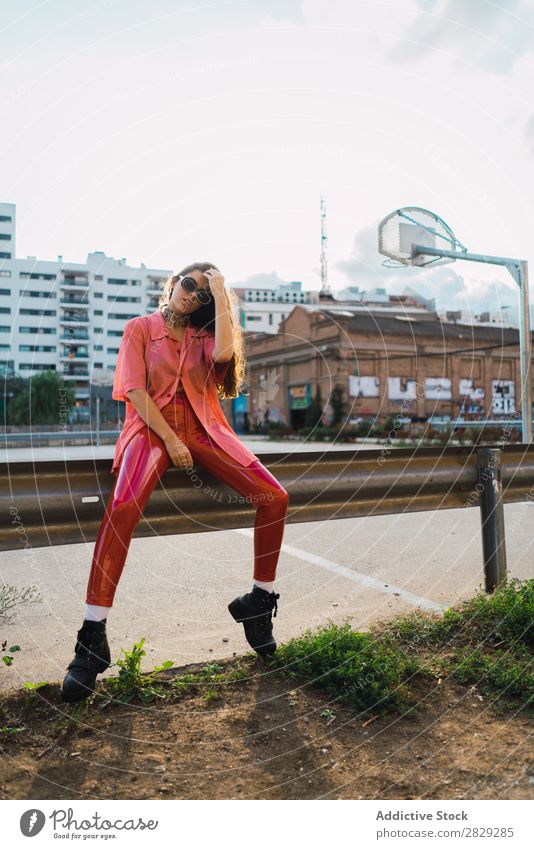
(492, 516)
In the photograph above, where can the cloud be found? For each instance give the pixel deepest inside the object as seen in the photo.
(444, 283)
(259, 280)
(268, 22)
(475, 32)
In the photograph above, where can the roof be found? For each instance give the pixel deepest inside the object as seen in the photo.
(419, 327)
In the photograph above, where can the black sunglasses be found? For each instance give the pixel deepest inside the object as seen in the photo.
(190, 285)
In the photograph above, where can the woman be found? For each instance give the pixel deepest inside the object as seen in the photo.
(171, 366)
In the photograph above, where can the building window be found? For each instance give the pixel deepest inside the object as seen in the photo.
(5, 237)
(5, 218)
(4, 255)
(36, 367)
(33, 348)
(470, 367)
(5, 291)
(504, 369)
(5, 273)
(124, 299)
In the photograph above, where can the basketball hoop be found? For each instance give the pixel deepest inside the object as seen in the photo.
(399, 231)
(415, 236)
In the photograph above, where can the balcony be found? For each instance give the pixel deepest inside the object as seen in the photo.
(74, 337)
(80, 357)
(76, 281)
(75, 302)
(75, 372)
(71, 318)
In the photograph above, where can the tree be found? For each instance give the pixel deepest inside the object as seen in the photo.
(12, 386)
(315, 412)
(339, 407)
(43, 399)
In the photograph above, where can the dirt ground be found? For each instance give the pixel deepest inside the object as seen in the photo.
(265, 738)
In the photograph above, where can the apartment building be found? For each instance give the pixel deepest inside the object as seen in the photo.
(264, 305)
(67, 316)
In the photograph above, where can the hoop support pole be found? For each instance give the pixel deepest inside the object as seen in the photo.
(518, 268)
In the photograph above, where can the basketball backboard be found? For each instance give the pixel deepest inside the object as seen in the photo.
(413, 225)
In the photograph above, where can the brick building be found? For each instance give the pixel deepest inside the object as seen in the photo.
(420, 366)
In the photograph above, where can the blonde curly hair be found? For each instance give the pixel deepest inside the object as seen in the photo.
(205, 317)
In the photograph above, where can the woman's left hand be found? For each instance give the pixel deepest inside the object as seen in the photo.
(215, 281)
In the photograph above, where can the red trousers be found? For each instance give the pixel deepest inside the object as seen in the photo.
(144, 461)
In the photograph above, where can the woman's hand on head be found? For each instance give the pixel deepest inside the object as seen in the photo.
(178, 452)
(215, 280)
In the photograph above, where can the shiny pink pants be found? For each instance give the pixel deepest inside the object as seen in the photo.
(144, 461)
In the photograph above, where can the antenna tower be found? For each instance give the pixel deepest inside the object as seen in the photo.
(325, 292)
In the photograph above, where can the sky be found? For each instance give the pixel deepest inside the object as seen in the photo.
(173, 132)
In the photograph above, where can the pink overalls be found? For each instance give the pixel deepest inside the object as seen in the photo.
(151, 359)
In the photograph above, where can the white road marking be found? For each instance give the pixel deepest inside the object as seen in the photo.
(353, 575)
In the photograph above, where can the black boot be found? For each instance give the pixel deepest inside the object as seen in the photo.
(92, 657)
(254, 610)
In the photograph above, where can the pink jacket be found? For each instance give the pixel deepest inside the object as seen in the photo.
(149, 358)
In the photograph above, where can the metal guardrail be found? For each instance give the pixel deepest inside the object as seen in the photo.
(34, 437)
(48, 503)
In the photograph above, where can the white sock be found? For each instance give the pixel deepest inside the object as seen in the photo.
(265, 585)
(96, 613)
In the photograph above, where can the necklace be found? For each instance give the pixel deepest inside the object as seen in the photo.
(175, 318)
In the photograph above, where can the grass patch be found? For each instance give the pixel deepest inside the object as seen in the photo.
(506, 615)
(365, 671)
(133, 684)
(497, 674)
(211, 678)
(486, 641)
